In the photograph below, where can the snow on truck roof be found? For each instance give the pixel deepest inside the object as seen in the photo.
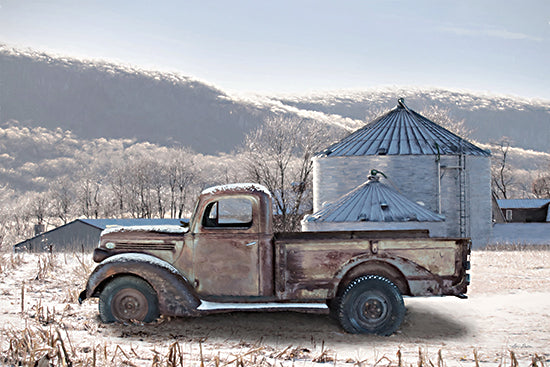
(236, 187)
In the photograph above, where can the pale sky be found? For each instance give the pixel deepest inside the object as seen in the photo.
(301, 46)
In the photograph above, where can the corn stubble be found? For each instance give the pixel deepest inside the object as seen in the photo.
(46, 338)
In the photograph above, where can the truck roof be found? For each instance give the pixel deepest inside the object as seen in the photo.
(250, 187)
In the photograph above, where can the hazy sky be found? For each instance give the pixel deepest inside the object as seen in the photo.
(299, 46)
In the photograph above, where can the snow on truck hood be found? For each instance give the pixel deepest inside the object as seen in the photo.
(159, 229)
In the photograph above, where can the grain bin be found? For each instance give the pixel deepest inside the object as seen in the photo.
(431, 166)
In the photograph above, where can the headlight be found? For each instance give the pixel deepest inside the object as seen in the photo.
(110, 245)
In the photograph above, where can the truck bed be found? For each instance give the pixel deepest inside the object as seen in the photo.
(344, 235)
(311, 264)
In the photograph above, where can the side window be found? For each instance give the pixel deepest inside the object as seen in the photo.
(508, 215)
(229, 212)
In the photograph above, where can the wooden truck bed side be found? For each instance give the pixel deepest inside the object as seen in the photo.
(420, 266)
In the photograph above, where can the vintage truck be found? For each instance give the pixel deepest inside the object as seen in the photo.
(227, 258)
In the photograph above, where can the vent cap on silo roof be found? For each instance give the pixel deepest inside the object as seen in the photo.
(374, 201)
(402, 131)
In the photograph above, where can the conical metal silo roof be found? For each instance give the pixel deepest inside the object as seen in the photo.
(402, 131)
(374, 201)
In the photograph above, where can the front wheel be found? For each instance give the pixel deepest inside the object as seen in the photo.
(371, 305)
(128, 299)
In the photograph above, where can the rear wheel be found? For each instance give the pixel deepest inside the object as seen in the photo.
(128, 299)
(371, 305)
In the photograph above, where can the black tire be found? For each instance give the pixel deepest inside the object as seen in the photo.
(371, 304)
(128, 299)
(333, 307)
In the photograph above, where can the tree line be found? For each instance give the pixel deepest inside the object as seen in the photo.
(148, 181)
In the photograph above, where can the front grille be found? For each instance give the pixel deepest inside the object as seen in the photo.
(146, 246)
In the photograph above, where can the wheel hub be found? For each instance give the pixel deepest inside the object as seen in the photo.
(373, 309)
(129, 304)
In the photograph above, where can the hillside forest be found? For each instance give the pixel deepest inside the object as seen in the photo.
(89, 139)
(120, 178)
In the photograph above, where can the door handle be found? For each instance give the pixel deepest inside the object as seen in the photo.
(251, 243)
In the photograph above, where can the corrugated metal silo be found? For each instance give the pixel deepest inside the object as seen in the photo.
(430, 165)
(374, 205)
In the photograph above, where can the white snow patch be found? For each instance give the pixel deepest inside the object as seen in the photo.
(211, 306)
(521, 234)
(161, 229)
(141, 258)
(236, 186)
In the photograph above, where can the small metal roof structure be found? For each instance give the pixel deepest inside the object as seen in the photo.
(402, 131)
(374, 201)
(525, 204)
(522, 203)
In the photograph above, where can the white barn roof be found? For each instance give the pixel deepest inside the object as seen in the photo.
(374, 201)
(402, 131)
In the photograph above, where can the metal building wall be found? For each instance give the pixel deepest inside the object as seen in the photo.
(71, 237)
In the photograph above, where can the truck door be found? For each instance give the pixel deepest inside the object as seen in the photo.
(227, 247)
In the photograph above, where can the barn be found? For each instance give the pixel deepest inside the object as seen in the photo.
(82, 234)
(430, 166)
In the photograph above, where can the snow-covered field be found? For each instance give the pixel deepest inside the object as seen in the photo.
(506, 318)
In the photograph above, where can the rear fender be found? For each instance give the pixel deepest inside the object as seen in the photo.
(175, 295)
(411, 278)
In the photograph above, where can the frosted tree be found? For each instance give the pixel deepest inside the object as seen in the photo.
(501, 173)
(541, 186)
(181, 176)
(444, 118)
(88, 192)
(63, 196)
(278, 155)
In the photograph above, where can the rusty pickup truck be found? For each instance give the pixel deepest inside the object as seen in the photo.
(228, 258)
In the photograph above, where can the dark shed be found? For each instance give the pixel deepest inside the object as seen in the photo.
(525, 210)
(82, 234)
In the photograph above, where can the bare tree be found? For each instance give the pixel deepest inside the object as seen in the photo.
(181, 175)
(40, 207)
(88, 194)
(541, 187)
(443, 117)
(501, 174)
(278, 155)
(5, 217)
(62, 195)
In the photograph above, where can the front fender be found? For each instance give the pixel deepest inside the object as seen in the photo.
(175, 295)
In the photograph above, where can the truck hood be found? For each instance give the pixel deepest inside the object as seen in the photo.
(159, 229)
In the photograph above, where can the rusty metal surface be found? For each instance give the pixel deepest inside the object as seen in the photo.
(350, 235)
(176, 297)
(233, 261)
(162, 245)
(420, 267)
(251, 264)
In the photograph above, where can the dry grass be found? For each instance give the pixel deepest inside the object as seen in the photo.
(10, 262)
(516, 247)
(40, 346)
(54, 331)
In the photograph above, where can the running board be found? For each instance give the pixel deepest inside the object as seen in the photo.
(206, 306)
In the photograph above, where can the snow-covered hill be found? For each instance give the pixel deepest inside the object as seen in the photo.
(95, 99)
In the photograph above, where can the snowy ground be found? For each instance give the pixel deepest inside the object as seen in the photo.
(507, 316)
